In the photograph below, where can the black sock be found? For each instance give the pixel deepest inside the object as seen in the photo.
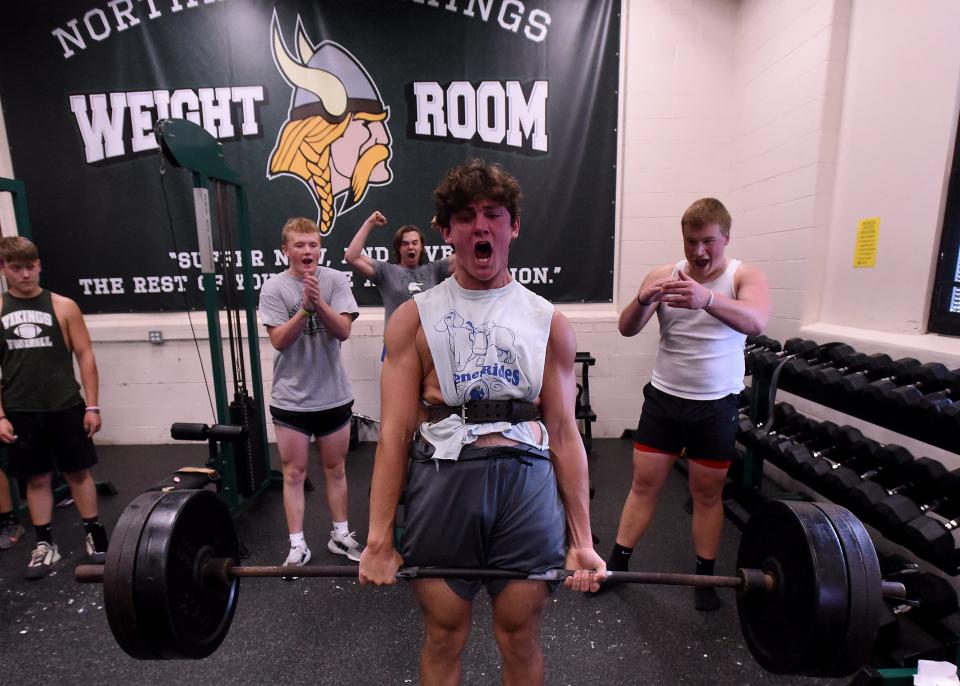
(705, 597)
(44, 533)
(619, 560)
(8, 516)
(93, 527)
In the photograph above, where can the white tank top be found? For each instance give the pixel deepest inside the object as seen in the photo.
(486, 345)
(700, 357)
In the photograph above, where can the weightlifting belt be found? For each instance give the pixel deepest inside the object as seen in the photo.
(483, 411)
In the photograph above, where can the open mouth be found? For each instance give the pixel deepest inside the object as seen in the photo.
(701, 264)
(482, 251)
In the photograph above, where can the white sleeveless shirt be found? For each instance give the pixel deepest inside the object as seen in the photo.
(699, 357)
(486, 345)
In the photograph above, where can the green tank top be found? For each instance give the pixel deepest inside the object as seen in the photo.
(37, 367)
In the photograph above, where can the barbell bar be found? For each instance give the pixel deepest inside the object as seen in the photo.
(809, 588)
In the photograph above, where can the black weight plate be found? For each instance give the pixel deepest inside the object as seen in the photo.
(189, 614)
(119, 574)
(791, 630)
(865, 597)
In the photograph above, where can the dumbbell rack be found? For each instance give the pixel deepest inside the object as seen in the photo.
(751, 481)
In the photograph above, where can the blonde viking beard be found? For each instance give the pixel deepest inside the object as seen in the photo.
(304, 151)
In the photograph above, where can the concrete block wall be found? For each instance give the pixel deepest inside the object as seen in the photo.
(790, 67)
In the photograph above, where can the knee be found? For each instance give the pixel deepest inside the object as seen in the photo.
(645, 487)
(447, 640)
(39, 482)
(518, 639)
(334, 469)
(706, 497)
(294, 475)
(77, 478)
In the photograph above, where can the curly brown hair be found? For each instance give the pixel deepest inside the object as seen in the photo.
(473, 180)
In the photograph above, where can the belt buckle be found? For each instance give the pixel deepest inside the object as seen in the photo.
(463, 413)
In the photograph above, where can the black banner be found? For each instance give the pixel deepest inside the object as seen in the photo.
(328, 110)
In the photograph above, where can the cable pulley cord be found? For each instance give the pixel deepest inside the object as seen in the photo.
(231, 231)
(186, 300)
(225, 258)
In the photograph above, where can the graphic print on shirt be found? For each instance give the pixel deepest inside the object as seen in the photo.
(483, 357)
(313, 327)
(415, 287)
(28, 329)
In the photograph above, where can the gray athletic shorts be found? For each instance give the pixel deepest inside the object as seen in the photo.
(494, 507)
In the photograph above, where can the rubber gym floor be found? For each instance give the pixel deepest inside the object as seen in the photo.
(332, 631)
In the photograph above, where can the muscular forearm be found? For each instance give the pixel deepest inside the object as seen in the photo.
(386, 486)
(89, 378)
(359, 242)
(573, 482)
(634, 317)
(288, 332)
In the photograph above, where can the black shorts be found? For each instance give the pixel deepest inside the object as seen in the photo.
(48, 440)
(705, 429)
(319, 423)
(494, 507)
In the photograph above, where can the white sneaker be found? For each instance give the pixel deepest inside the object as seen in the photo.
(297, 557)
(42, 559)
(345, 545)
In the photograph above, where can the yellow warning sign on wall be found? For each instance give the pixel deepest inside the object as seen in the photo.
(868, 236)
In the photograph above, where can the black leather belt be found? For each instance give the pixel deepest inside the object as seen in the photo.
(483, 411)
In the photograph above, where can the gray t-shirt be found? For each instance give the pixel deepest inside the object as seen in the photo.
(398, 284)
(308, 375)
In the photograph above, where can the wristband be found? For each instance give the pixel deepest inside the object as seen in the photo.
(709, 301)
(307, 313)
(92, 408)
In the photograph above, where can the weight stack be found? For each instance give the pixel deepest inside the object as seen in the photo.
(250, 464)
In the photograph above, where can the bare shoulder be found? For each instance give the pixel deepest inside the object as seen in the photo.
(64, 306)
(661, 272)
(403, 327)
(405, 319)
(562, 343)
(749, 274)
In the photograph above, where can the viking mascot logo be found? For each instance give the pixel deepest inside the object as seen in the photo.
(335, 139)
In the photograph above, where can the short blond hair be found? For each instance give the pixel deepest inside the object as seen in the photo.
(707, 211)
(298, 225)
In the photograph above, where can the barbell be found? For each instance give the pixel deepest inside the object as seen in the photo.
(809, 600)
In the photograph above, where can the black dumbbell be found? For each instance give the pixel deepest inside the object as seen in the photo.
(935, 597)
(885, 398)
(918, 479)
(923, 414)
(828, 355)
(829, 439)
(887, 463)
(761, 342)
(931, 535)
(893, 514)
(947, 424)
(825, 384)
(764, 361)
(801, 429)
(788, 424)
(881, 370)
